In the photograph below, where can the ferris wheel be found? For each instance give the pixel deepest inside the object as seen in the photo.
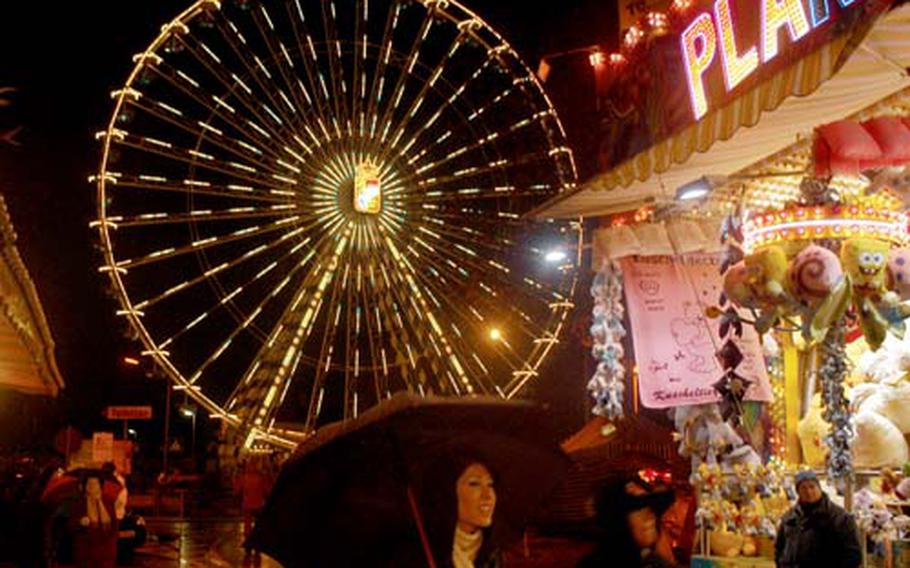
(307, 205)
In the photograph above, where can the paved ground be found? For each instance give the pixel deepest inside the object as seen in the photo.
(208, 543)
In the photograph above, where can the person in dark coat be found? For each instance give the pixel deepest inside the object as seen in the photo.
(816, 532)
(628, 512)
(457, 504)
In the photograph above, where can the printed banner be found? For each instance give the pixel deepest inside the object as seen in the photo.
(674, 341)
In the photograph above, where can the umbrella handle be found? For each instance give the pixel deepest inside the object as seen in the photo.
(428, 552)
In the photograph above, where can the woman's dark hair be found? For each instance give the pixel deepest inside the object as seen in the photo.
(438, 503)
(613, 505)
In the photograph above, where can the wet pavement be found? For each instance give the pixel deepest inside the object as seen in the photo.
(196, 543)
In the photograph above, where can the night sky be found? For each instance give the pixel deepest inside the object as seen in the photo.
(65, 58)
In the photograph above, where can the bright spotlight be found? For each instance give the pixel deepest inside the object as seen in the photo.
(555, 255)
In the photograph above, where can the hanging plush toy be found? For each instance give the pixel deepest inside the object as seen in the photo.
(899, 272)
(737, 287)
(766, 272)
(865, 261)
(816, 280)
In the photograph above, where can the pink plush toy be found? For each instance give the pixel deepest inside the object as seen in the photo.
(899, 272)
(814, 274)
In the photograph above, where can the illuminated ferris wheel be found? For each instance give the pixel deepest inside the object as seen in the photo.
(308, 205)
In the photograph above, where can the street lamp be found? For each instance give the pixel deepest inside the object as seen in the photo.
(189, 411)
(555, 255)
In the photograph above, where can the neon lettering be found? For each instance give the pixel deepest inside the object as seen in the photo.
(774, 16)
(736, 67)
(698, 59)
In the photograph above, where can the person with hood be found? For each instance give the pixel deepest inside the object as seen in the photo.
(816, 532)
(628, 511)
(457, 505)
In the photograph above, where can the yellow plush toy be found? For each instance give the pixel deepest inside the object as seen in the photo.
(865, 261)
(765, 276)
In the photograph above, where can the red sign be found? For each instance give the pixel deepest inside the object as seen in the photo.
(129, 412)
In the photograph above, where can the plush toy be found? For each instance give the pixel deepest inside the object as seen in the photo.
(758, 283)
(812, 430)
(737, 286)
(899, 272)
(768, 272)
(865, 260)
(705, 438)
(880, 403)
(816, 280)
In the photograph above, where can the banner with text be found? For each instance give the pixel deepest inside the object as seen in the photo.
(674, 341)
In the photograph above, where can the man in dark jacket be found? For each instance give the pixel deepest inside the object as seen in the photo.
(816, 532)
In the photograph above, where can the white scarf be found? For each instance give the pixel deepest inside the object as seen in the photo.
(465, 548)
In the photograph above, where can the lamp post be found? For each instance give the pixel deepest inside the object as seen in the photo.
(189, 411)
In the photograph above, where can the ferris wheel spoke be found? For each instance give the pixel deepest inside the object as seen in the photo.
(209, 242)
(442, 261)
(232, 264)
(208, 162)
(370, 117)
(502, 165)
(299, 108)
(420, 304)
(279, 121)
(426, 129)
(327, 345)
(262, 388)
(263, 125)
(228, 115)
(467, 314)
(204, 132)
(393, 102)
(200, 216)
(358, 79)
(428, 84)
(481, 144)
(148, 182)
(317, 94)
(336, 70)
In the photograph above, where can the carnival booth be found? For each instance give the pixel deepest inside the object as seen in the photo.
(753, 280)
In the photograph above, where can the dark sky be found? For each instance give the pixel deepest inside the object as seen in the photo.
(65, 57)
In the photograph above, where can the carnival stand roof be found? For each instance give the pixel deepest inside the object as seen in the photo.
(861, 71)
(27, 362)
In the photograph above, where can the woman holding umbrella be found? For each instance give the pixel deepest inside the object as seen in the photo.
(458, 505)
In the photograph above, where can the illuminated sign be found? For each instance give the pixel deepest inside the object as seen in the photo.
(367, 189)
(715, 32)
(129, 412)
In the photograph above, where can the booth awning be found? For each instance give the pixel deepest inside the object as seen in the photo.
(839, 78)
(27, 361)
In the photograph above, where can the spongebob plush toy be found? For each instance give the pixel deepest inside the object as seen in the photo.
(865, 262)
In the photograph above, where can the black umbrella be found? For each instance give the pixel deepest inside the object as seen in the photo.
(347, 495)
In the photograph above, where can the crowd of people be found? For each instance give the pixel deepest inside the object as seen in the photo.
(77, 517)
